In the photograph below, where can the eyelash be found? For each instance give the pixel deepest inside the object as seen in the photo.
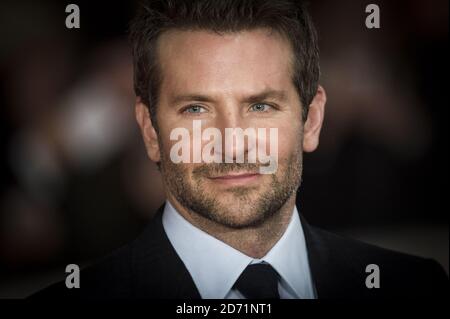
(261, 103)
(187, 108)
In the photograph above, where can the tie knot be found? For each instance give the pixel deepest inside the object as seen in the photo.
(258, 281)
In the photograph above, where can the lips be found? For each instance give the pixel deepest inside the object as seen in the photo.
(235, 176)
(235, 179)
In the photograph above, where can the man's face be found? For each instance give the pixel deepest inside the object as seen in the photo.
(237, 80)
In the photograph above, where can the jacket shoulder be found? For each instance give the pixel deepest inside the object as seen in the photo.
(350, 262)
(109, 277)
(148, 267)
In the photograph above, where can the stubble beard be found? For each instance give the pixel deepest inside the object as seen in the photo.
(249, 206)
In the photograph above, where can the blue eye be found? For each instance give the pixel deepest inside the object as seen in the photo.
(260, 107)
(194, 109)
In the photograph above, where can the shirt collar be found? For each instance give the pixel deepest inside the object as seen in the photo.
(215, 266)
(290, 259)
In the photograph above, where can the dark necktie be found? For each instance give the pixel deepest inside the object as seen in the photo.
(258, 281)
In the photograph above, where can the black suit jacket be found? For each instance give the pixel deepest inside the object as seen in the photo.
(149, 267)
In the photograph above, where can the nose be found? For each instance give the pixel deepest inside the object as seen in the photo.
(237, 136)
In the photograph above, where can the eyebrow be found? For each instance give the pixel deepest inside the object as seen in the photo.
(279, 95)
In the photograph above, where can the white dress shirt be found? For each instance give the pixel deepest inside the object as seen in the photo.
(215, 266)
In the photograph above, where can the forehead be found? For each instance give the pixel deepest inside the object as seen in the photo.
(239, 63)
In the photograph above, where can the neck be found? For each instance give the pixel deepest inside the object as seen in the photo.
(255, 241)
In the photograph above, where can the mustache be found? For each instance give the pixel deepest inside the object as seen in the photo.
(224, 168)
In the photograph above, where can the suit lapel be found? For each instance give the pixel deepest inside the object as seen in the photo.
(158, 271)
(331, 268)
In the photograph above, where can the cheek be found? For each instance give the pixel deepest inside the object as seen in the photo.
(164, 146)
(164, 138)
(289, 142)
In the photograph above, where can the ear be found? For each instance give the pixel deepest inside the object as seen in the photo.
(148, 131)
(313, 124)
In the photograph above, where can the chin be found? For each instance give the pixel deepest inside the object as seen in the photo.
(238, 219)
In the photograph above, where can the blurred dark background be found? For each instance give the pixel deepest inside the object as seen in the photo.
(75, 182)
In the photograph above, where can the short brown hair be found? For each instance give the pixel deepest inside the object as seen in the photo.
(288, 17)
